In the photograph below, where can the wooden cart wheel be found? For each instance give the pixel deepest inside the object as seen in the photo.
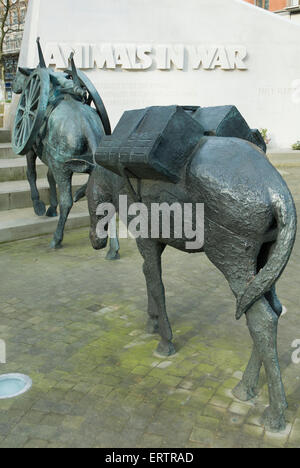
(93, 99)
(31, 111)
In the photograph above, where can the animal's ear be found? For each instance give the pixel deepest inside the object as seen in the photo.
(25, 71)
(80, 166)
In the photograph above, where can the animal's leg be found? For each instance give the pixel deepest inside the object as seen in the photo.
(38, 206)
(64, 182)
(239, 261)
(248, 387)
(263, 322)
(153, 312)
(114, 246)
(271, 296)
(239, 268)
(52, 210)
(274, 302)
(158, 319)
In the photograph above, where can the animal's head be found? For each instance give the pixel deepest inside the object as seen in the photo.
(20, 79)
(94, 195)
(23, 73)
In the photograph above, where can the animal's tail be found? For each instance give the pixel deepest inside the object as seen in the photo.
(285, 213)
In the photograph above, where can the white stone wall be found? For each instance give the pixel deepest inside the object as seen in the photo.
(152, 48)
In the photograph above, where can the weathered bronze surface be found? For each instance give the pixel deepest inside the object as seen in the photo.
(55, 122)
(250, 229)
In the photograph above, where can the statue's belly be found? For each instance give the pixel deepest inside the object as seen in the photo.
(166, 213)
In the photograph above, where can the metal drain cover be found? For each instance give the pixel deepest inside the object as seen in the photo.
(13, 385)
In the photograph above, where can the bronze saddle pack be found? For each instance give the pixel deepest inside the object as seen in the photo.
(157, 142)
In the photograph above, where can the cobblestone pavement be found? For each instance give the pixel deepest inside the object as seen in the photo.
(75, 324)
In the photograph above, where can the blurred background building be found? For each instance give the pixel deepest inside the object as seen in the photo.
(290, 9)
(12, 20)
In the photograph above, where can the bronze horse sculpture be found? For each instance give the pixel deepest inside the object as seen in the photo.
(250, 229)
(55, 122)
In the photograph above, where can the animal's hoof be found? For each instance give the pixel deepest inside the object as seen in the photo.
(244, 393)
(152, 327)
(273, 421)
(51, 212)
(113, 255)
(55, 245)
(39, 208)
(165, 349)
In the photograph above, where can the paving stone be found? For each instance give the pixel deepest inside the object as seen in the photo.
(14, 441)
(220, 401)
(202, 395)
(53, 420)
(72, 422)
(214, 411)
(207, 422)
(239, 408)
(202, 436)
(277, 439)
(150, 441)
(253, 430)
(130, 437)
(294, 439)
(33, 417)
(36, 443)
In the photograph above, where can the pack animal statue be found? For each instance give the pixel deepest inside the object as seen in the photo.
(250, 219)
(55, 122)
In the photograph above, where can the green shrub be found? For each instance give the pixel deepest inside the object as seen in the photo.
(296, 146)
(264, 133)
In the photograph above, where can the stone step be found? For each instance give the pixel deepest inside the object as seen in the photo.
(23, 224)
(15, 169)
(2, 108)
(6, 152)
(5, 136)
(285, 158)
(16, 194)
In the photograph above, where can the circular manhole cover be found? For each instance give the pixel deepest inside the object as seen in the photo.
(13, 385)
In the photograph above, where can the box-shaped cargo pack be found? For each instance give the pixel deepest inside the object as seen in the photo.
(152, 143)
(227, 121)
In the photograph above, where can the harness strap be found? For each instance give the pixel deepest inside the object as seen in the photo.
(38, 146)
(137, 196)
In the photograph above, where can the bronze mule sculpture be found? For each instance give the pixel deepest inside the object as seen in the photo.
(250, 228)
(67, 128)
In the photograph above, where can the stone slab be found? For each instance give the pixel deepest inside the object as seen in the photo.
(7, 152)
(285, 158)
(23, 224)
(5, 136)
(16, 194)
(15, 169)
